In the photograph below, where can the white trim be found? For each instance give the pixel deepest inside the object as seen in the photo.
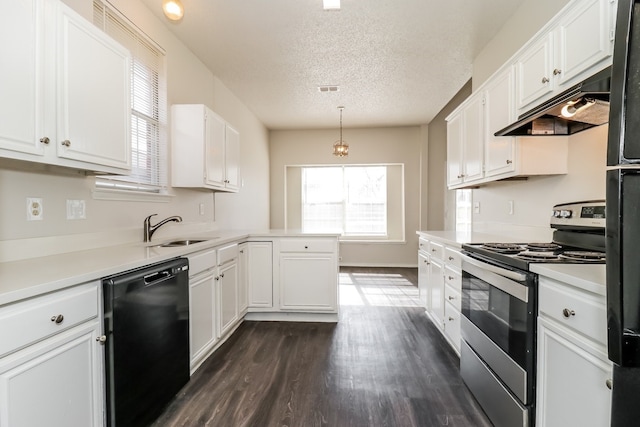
(130, 196)
(373, 264)
(375, 241)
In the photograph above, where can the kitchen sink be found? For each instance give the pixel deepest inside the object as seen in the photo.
(184, 242)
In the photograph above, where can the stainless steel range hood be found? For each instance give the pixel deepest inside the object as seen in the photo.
(583, 106)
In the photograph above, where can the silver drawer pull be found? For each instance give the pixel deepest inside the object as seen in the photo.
(101, 338)
(58, 319)
(66, 143)
(609, 383)
(545, 80)
(451, 258)
(451, 277)
(451, 319)
(433, 250)
(451, 298)
(568, 313)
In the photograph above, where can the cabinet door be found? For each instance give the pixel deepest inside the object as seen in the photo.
(23, 73)
(214, 149)
(499, 112)
(260, 274)
(534, 73)
(584, 39)
(94, 115)
(423, 278)
(243, 278)
(202, 315)
(452, 325)
(57, 382)
(308, 281)
(473, 140)
(232, 159)
(572, 382)
(436, 292)
(228, 279)
(454, 150)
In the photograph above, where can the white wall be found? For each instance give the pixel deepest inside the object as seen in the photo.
(533, 199)
(371, 145)
(189, 81)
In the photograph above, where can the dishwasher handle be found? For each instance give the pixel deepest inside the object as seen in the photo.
(159, 276)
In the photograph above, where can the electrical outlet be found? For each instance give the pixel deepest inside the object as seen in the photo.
(34, 209)
(76, 209)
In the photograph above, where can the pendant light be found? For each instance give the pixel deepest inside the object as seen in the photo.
(173, 9)
(340, 148)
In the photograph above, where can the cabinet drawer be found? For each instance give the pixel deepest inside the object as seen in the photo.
(423, 244)
(32, 320)
(453, 278)
(307, 245)
(227, 253)
(452, 325)
(436, 250)
(575, 309)
(201, 261)
(453, 297)
(452, 257)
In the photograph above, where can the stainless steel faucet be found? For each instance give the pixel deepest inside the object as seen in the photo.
(150, 229)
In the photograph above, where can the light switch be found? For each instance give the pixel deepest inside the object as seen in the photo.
(76, 209)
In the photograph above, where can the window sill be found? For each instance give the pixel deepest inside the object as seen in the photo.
(130, 196)
(373, 241)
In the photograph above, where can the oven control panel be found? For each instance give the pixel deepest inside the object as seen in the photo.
(589, 214)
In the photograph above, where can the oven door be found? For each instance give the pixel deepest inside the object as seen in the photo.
(498, 328)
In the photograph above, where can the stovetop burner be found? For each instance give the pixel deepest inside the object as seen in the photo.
(537, 255)
(543, 246)
(583, 256)
(503, 248)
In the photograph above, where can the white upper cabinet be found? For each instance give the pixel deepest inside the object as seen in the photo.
(534, 68)
(66, 94)
(465, 143)
(94, 74)
(575, 45)
(205, 150)
(499, 102)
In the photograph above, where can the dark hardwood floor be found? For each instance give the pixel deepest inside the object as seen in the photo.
(382, 364)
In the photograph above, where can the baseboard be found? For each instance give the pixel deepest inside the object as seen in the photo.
(376, 265)
(292, 317)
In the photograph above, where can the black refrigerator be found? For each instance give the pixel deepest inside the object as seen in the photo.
(623, 218)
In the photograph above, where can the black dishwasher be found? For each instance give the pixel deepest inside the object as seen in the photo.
(146, 317)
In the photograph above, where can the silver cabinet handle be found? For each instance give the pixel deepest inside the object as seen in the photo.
(222, 275)
(451, 319)
(306, 247)
(509, 162)
(451, 298)
(609, 383)
(556, 71)
(242, 251)
(101, 338)
(568, 313)
(545, 80)
(57, 318)
(451, 277)
(451, 258)
(66, 143)
(217, 277)
(45, 140)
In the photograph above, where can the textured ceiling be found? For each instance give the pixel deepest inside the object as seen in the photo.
(397, 62)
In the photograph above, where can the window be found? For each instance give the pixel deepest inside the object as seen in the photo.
(148, 105)
(351, 200)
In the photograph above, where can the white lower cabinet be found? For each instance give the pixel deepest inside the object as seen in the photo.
(203, 321)
(574, 375)
(52, 368)
(228, 284)
(243, 278)
(308, 282)
(260, 274)
(439, 285)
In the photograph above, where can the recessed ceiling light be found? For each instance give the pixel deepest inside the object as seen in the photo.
(331, 4)
(329, 88)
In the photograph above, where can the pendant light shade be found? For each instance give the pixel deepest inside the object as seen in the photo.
(340, 148)
(173, 9)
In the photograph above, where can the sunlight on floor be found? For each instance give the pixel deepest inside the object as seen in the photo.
(381, 290)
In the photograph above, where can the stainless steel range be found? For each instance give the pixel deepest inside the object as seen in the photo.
(499, 307)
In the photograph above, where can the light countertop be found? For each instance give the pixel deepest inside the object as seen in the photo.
(31, 277)
(458, 238)
(589, 277)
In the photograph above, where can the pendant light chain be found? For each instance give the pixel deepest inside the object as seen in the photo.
(340, 148)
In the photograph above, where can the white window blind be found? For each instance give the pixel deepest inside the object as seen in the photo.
(351, 200)
(148, 105)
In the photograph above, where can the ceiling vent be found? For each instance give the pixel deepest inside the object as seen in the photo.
(327, 88)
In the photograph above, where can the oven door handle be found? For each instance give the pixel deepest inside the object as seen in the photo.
(485, 271)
